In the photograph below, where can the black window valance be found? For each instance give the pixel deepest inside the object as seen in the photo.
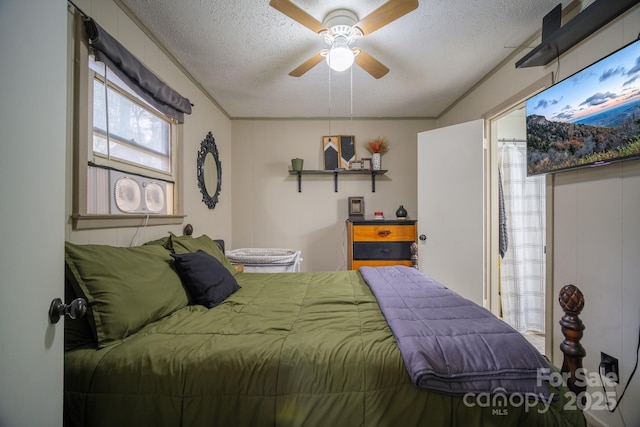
(144, 82)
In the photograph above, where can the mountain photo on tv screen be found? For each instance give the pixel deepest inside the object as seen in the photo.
(591, 118)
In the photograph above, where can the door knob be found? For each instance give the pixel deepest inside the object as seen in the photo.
(75, 310)
(422, 237)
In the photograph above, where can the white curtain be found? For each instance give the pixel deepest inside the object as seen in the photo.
(523, 266)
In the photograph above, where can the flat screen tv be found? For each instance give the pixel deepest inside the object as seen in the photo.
(589, 119)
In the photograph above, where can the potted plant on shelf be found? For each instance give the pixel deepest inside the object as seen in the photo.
(377, 147)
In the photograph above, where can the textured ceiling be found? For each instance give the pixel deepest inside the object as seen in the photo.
(241, 52)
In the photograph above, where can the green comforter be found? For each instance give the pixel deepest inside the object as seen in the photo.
(287, 349)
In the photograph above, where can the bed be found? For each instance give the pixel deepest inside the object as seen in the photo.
(286, 349)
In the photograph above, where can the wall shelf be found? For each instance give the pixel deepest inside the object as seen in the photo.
(585, 23)
(335, 173)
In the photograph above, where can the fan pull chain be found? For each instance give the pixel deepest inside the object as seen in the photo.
(330, 100)
(351, 111)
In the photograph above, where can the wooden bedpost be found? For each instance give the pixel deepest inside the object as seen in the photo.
(188, 230)
(572, 302)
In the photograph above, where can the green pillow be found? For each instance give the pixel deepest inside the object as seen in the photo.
(76, 332)
(185, 244)
(161, 241)
(125, 288)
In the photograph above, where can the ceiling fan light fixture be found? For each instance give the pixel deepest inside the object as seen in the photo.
(340, 28)
(340, 57)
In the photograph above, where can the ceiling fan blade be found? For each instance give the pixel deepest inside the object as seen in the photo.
(298, 15)
(385, 14)
(307, 65)
(370, 64)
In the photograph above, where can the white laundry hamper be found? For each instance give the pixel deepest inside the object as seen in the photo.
(266, 260)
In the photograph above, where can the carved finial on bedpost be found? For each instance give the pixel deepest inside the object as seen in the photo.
(414, 254)
(572, 302)
(188, 230)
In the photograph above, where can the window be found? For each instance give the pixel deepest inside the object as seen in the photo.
(137, 134)
(125, 152)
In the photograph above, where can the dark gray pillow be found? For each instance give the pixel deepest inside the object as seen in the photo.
(208, 282)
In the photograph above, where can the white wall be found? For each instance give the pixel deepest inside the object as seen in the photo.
(512, 126)
(206, 117)
(268, 211)
(32, 165)
(596, 211)
(597, 248)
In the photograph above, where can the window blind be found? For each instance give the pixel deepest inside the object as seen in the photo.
(139, 78)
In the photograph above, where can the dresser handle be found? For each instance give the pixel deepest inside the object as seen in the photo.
(385, 250)
(384, 233)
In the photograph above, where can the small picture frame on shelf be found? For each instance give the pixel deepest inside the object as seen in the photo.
(355, 165)
(356, 208)
(338, 151)
(366, 163)
(331, 152)
(347, 150)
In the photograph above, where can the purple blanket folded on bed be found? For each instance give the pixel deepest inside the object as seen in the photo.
(450, 344)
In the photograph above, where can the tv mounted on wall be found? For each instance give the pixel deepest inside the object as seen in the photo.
(591, 118)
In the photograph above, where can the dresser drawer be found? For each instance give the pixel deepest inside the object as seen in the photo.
(390, 233)
(356, 264)
(382, 250)
(380, 242)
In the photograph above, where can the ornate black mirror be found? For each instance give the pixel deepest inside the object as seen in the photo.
(209, 171)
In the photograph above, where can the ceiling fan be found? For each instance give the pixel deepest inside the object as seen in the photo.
(340, 29)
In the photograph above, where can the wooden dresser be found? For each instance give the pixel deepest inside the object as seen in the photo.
(380, 242)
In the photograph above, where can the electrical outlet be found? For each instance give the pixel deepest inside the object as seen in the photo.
(609, 367)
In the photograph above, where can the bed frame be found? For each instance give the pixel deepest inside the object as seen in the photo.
(571, 301)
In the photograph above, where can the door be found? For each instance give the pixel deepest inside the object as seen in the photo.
(451, 212)
(33, 83)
